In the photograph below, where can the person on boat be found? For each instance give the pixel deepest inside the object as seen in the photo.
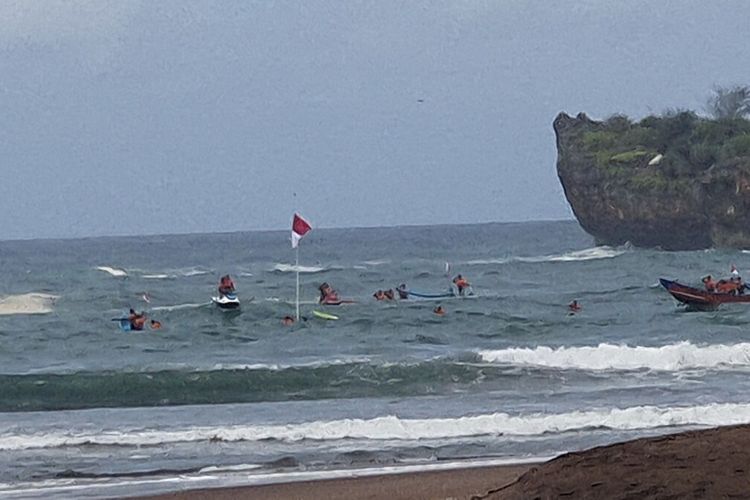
(379, 295)
(709, 283)
(737, 280)
(389, 294)
(137, 321)
(155, 325)
(461, 284)
(328, 295)
(226, 286)
(574, 306)
(287, 321)
(729, 286)
(439, 311)
(403, 293)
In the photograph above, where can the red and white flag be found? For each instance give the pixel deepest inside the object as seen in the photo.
(300, 227)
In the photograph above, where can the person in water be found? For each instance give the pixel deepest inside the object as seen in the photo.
(137, 321)
(389, 295)
(574, 306)
(226, 285)
(287, 321)
(327, 294)
(403, 293)
(439, 311)
(379, 295)
(461, 284)
(155, 325)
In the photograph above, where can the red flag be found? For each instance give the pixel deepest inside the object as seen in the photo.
(300, 227)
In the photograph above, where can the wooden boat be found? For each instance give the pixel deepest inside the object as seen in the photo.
(701, 298)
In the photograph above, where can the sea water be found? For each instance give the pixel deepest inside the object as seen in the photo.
(217, 398)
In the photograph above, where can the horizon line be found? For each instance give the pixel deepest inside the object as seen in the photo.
(267, 230)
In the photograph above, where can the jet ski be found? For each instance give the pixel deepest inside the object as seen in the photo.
(228, 301)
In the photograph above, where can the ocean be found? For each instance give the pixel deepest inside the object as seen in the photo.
(225, 398)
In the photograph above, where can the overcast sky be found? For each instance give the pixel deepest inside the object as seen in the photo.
(134, 117)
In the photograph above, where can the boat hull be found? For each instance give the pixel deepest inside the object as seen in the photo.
(700, 298)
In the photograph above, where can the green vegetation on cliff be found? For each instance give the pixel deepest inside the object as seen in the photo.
(690, 145)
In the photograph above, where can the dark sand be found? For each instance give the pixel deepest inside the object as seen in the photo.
(713, 463)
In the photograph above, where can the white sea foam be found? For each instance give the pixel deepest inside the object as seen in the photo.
(192, 271)
(170, 273)
(280, 366)
(288, 268)
(395, 428)
(117, 273)
(672, 357)
(177, 307)
(229, 468)
(27, 303)
(594, 253)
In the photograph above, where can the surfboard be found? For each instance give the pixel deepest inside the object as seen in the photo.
(424, 295)
(322, 315)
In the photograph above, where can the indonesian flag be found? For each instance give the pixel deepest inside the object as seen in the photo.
(300, 227)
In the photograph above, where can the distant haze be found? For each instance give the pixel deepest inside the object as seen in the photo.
(133, 117)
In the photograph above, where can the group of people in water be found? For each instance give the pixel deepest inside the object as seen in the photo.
(138, 321)
(329, 296)
(732, 285)
(385, 295)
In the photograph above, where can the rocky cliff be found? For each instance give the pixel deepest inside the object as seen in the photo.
(678, 182)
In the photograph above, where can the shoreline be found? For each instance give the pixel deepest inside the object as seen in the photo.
(456, 481)
(708, 463)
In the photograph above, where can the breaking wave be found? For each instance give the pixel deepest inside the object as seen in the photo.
(394, 428)
(178, 307)
(113, 271)
(289, 268)
(27, 303)
(594, 253)
(672, 357)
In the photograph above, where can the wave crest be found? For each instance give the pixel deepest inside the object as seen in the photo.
(289, 268)
(113, 271)
(595, 253)
(672, 357)
(394, 428)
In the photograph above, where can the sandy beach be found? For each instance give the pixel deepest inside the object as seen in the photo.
(456, 483)
(713, 463)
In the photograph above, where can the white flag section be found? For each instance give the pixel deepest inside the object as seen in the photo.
(300, 227)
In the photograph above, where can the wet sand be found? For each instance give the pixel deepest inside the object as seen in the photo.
(713, 463)
(455, 483)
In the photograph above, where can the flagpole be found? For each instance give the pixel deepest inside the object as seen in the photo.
(296, 266)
